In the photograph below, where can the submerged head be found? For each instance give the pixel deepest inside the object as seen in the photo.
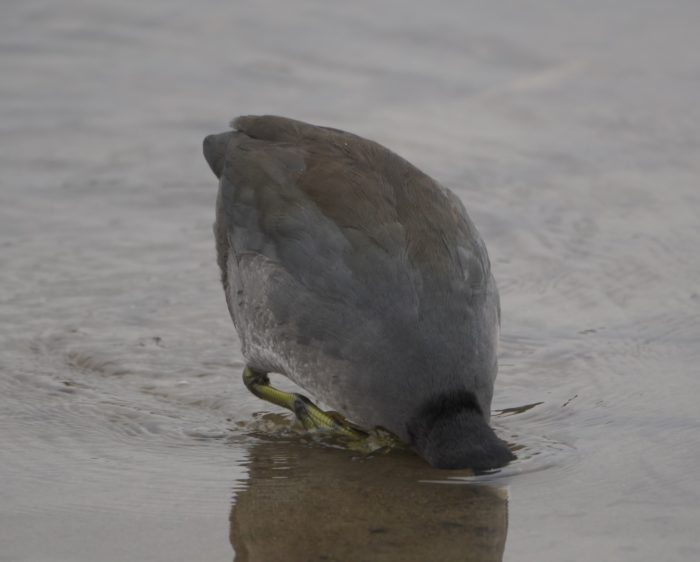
(450, 431)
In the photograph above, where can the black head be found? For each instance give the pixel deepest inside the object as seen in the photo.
(450, 432)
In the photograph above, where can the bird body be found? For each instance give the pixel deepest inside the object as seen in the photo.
(361, 279)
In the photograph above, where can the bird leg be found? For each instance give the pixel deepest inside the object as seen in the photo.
(310, 415)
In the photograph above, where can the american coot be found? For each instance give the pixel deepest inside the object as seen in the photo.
(361, 279)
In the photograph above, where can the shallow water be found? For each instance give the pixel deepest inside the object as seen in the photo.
(572, 134)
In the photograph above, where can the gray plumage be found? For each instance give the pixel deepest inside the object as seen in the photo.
(361, 279)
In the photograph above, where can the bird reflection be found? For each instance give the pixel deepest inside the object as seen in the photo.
(316, 503)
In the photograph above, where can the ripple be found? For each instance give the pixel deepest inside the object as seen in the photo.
(76, 419)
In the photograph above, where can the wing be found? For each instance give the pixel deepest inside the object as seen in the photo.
(355, 225)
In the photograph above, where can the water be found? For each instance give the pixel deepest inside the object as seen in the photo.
(570, 130)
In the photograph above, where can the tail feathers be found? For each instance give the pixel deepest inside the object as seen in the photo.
(451, 432)
(282, 129)
(214, 148)
(272, 128)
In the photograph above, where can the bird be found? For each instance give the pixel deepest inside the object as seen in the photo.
(364, 281)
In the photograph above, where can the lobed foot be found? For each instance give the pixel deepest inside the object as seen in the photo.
(310, 415)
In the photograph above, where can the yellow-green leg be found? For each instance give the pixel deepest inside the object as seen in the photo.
(310, 415)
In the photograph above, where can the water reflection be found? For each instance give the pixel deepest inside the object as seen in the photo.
(309, 502)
